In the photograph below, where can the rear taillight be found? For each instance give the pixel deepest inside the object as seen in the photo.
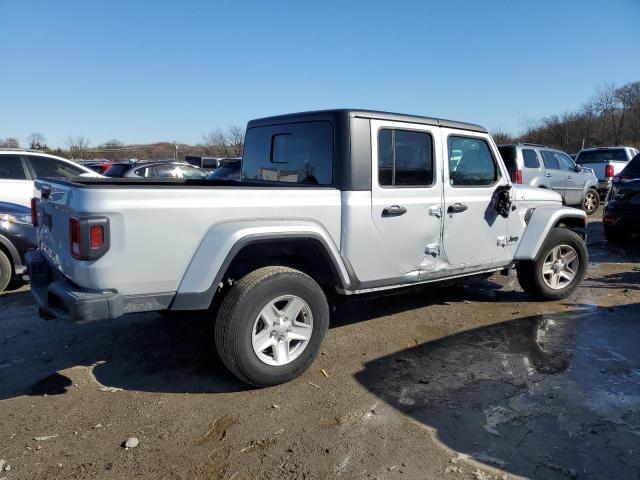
(96, 236)
(75, 238)
(610, 220)
(608, 171)
(34, 212)
(88, 237)
(516, 176)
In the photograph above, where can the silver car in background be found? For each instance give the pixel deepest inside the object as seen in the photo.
(546, 167)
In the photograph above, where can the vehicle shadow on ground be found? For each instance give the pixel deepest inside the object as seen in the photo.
(553, 396)
(148, 352)
(601, 250)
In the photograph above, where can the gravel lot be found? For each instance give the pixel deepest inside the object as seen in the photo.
(466, 381)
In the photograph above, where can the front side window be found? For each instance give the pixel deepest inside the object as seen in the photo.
(550, 160)
(565, 162)
(11, 168)
(293, 153)
(530, 158)
(166, 171)
(474, 166)
(50, 167)
(192, 172)
(405, 158)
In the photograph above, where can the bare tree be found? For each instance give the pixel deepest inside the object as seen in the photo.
(113, 143)
(9, 142)
(501, 137)
(216, 143)
(236, 140)
(78, 145)
(36, 141)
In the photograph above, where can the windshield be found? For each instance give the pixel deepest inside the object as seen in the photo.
(117, 170)
(601, 156)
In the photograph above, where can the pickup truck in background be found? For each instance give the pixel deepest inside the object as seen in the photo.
(606, 162)
(336, 202)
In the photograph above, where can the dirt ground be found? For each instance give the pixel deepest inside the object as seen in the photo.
(466, 381)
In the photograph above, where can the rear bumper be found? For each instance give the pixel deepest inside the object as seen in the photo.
(622, 218)
(58, 297)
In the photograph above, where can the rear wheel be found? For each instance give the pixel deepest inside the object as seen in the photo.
(591, 202)
(5, 271)
(616, 235)
(271, 325)
(559, 268)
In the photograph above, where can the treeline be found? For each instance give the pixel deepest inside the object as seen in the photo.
(611, 117)
(217, 143)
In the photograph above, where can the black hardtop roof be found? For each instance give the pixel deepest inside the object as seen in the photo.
(355, 113)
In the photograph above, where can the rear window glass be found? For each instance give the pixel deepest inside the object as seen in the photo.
(508, 154)
(116, 170)
(633, 168)
(530, 158)
(601, 156)
(293, 153)
(11, 168)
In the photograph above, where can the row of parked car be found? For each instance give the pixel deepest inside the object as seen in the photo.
(595, 173)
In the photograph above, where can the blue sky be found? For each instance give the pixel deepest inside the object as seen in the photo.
(149, 71)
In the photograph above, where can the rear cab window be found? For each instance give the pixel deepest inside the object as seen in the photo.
(11, 168)
(299, 153)
(602, 156)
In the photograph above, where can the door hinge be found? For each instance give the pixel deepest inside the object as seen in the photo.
(432, 249)
(502, 241)
(435, 211)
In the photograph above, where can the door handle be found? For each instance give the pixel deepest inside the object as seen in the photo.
(547, 175)
(569, 177)
(457, 208)
(394, 211)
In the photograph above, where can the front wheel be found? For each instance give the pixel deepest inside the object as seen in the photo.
(559, 268)
(591, 202)
(271, 325)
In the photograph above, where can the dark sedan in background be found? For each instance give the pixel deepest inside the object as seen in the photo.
(622, 211)
(17, 235)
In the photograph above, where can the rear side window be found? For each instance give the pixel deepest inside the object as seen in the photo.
(50, 167)
(550, 160)
(475, 166)
(601, 156)
(293, 153)
(405, 158)
(11, 168)
(530, 158)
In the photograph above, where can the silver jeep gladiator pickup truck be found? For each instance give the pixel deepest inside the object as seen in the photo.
(331, 202)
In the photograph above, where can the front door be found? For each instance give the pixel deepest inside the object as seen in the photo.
(556, 178)
(406, 195)
(574, 188)
(474, 234)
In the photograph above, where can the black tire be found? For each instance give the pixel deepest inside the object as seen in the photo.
(592, 195)
(530, 273)
(6, 271)
(240, 309)
(616, 235)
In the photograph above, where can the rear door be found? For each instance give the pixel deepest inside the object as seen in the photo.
(406, 194)
(556, 178)
(474, 233)
(15, 182)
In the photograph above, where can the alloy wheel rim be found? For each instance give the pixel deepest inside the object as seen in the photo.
(560, 267)
(589, 202)
(282, 330)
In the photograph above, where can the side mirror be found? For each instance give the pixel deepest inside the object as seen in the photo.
(502, 200)
(578, 168)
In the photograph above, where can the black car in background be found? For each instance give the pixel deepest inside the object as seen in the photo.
(17, 235)
(622, 212)
(229, 169)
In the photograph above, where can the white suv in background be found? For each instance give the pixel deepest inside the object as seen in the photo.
(19, 168)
